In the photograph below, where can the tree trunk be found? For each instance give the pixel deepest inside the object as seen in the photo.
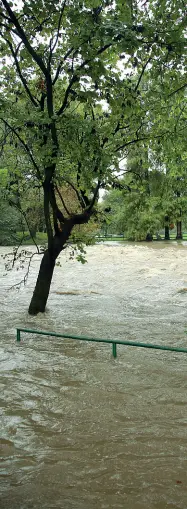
(33, 231)
(57, 244)
(179, 230)
(149, 237)
(43, 283)
(167, 237)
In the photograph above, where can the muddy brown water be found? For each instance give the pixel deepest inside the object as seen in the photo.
(80, 430)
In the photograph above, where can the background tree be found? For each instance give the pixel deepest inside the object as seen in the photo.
(150, 196)
(136, 206)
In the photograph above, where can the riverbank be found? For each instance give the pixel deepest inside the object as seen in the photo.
(41, 239)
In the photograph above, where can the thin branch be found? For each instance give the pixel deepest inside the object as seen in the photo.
(5, 17)
(7, 27)
(65, 101)
(39, 27)
(136, 140)
(118, 128)
(57, 212)
(15, 251)
(83, 198)
(81, 201)
(141, 74)
(23, 80)
(118, 185)
(18, 207)
(24, 280)
(62, 200)
(178, 89)
(94, 196)
(13, 130)
(23, 37)
(52, 48)
(75, 76)
(32, 237)
(101, 50)
(59, 68)
(85, 216)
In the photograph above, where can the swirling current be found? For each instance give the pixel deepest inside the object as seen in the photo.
(79, 429)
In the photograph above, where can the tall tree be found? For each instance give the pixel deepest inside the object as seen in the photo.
(69, 110)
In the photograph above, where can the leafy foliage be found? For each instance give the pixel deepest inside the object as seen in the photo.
(149, 199)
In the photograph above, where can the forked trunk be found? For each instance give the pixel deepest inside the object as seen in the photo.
(43, 283)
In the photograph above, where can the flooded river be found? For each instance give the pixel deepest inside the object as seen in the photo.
(79, 429)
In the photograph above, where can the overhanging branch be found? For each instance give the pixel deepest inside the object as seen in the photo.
(52, 48)
(142, 73)
(75, 76)
(21, 33)
(178, 90)
(62, 200)
(94, 197)
(13, 130)
(81, 201)
(23, 80)
(65, 101)
(59, 68)
(18, 207)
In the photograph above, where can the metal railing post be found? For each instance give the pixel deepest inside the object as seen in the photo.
(114, 350)
(18, 335)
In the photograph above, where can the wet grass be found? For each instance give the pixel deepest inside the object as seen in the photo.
(41, 238)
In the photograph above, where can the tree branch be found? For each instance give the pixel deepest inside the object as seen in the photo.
(82, 203)
(65, 101)
(82, 198)
(60, 65)
(141, 74)
(94, 196)
(24, 280)
(21, 33)
(23, 80)
(136, 140)
(62, 200)
(26, 220)
(178, 89)
(75, 76)
(58, 213)
(47, 214)
(52, 48)
(13, 130)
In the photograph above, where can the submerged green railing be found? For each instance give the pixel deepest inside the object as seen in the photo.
(100, 340)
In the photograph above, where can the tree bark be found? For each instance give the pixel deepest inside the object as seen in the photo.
(167, 237)
(43, 283)
(56, 244)
(179, 230)
(149, 237)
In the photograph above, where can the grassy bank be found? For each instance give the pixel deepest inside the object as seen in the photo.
(41, 239)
